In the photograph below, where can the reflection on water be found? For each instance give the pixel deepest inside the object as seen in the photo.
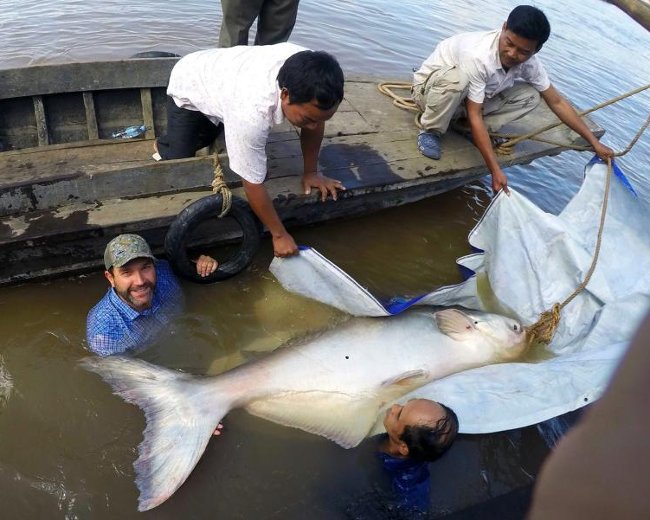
(68, 444)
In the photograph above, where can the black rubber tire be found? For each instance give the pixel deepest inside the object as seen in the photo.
(154, 54)
(197, 212)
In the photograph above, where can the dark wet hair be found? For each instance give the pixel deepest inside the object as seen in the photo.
(427, 443)
(311, 75)
(529, 22)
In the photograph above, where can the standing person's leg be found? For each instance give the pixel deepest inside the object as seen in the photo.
(187, 132)
(238, 17)
(440, 98)
(276, 21)
(509, 105)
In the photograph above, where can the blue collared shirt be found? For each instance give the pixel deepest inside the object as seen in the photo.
(113, 327)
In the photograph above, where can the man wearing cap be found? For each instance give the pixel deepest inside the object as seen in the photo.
(143, 297)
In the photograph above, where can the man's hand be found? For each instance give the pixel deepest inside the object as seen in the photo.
(567, 114)
(206, 265)
(284, 245)
(322, 183)
(483, 142)
(500, 182)
(602, 151)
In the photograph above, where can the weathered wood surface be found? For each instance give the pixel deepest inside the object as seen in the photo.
(60, 203)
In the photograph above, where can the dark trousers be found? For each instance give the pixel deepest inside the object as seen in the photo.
(187, 132)
(275, 21)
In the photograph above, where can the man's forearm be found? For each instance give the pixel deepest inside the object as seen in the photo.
(567, 114)
(262, 206)
(483, 142)
(570, 117)
(310, 143)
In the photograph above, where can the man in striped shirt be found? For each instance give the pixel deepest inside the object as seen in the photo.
(143, 297)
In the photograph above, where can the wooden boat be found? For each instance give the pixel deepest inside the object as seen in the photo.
(67, 186)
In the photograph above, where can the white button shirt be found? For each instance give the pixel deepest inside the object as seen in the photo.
(477, 55)
(238, 87)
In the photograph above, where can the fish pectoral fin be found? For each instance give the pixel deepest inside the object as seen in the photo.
(343, 418)
(407, 379)
(454, 323)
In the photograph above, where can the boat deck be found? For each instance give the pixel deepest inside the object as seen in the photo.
(60, 203)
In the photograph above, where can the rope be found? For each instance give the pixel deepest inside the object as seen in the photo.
(399, 101)
(543, 330)
(506, 148)
(219, 186)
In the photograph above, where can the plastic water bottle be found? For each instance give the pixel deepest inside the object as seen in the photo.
(130, 132)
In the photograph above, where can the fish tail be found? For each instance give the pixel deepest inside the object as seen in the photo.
(182, 412)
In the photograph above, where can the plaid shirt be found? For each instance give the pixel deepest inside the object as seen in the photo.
(113, 327)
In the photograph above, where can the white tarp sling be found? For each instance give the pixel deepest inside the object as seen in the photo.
(532, 260)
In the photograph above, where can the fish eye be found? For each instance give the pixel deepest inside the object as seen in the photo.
(475, 322)
(515, 327)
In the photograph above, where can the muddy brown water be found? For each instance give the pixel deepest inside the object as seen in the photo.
(67, 445)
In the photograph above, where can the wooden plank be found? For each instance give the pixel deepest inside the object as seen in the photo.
(91, 115)
(147, 113)
(41, 121)
(81, 77)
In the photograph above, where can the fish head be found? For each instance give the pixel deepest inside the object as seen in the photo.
(505, 336)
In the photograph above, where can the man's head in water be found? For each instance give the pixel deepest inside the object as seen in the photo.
(421, 429)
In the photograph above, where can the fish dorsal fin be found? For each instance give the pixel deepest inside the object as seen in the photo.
(343, 418)
(455, 324)
(407, 379)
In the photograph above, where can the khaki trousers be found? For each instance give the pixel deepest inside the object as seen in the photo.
(441, 99)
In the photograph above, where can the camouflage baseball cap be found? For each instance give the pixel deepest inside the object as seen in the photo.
(124, 248)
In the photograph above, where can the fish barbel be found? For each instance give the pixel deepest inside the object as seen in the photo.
(332, 384)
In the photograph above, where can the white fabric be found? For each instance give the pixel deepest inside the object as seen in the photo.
(477, 55)
(532, 260)
(238, 87)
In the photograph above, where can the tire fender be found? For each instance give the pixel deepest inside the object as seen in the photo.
(179, 232)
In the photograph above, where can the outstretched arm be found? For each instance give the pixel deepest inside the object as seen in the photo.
(484, 144)
(567, 114)
(310, 142)
(262, 206)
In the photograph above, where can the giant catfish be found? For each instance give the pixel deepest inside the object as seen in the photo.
(332, 384)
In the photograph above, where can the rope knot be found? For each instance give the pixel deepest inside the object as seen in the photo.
(219, 186)
(543, 330)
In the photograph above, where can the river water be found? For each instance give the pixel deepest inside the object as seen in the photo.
(67, 445)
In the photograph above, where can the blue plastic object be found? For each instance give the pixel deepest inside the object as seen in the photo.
(130, 132)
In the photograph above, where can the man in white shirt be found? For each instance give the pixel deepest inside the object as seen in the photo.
(250, 89)
(490, 78)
